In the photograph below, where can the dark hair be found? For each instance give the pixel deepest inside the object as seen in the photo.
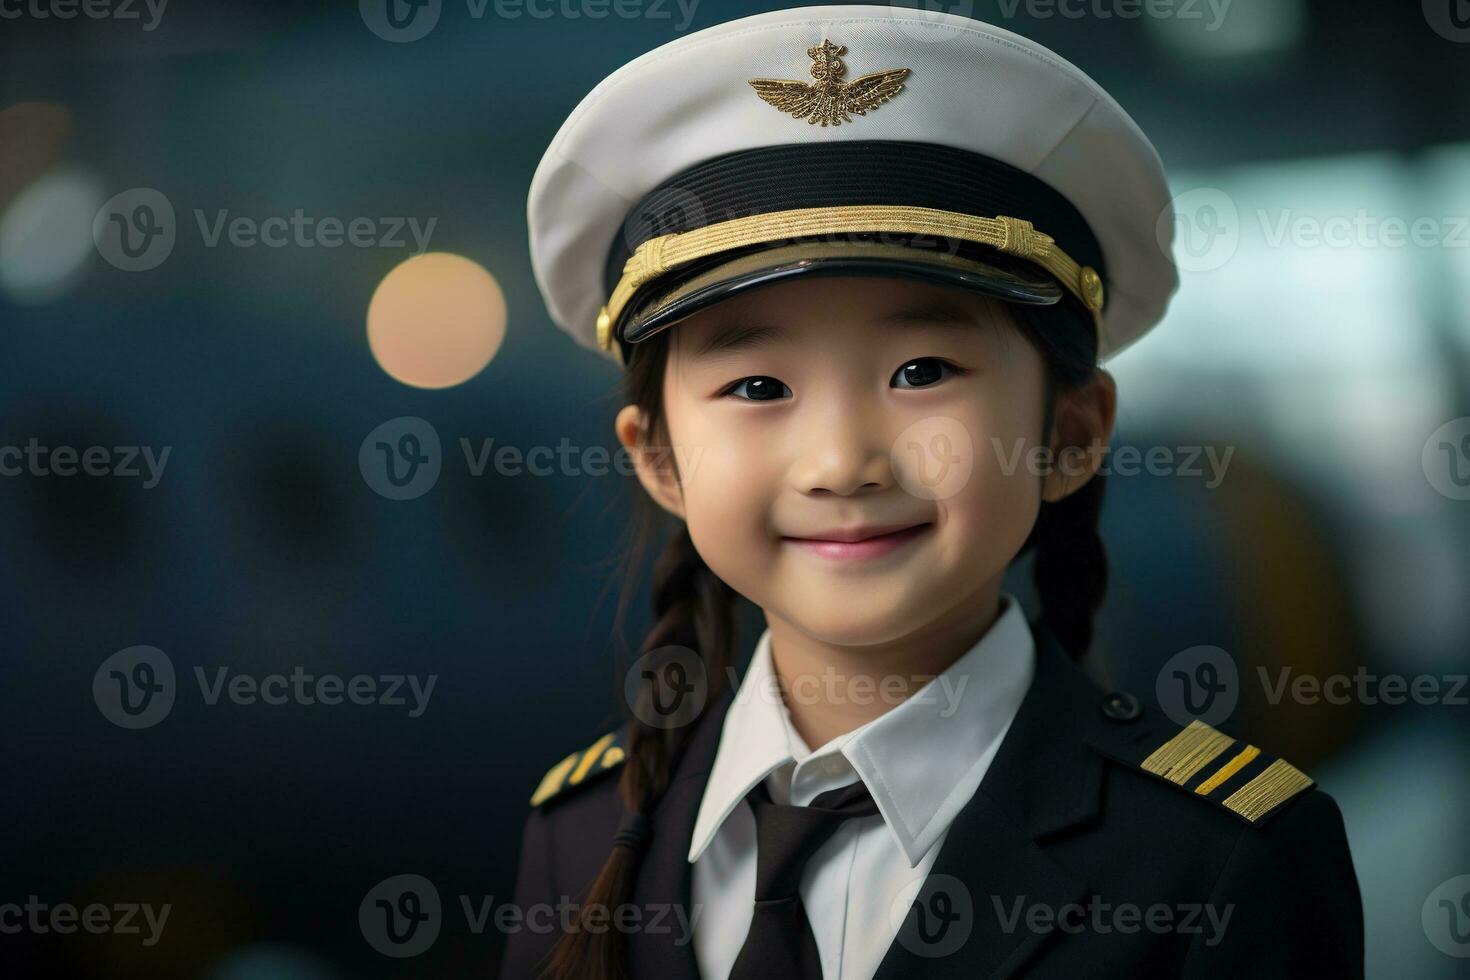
(693, 606)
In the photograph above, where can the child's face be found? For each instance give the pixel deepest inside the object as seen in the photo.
(849, 403)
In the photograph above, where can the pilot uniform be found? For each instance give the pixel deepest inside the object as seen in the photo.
(1087, 850)
(1032, 825)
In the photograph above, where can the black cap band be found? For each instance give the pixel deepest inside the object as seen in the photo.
(850, 172)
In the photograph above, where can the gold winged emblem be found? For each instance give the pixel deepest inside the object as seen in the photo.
(830, 101)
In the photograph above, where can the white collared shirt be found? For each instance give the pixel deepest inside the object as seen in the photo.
(922, 761)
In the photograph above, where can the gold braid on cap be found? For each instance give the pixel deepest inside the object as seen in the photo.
(1013, 236)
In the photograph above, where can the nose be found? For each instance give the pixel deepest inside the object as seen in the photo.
(841, 453)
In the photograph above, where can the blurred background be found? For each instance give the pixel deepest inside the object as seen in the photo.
(215, 323)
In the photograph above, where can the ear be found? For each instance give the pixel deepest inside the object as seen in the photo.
(653, 464)
(1082, 426)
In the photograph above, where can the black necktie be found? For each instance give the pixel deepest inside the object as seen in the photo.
(780, 944)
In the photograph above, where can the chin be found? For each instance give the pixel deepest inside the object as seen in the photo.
(851, 619)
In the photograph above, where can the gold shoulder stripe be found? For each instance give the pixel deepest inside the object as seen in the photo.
(1178, 759)
(1276, 784)
(551, 782)
(1232, 775)
(1241, 760)
(604, 754)
(592, 755)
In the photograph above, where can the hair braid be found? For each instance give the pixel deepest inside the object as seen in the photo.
(692, 608)
(1071, 567)
(1071, 570)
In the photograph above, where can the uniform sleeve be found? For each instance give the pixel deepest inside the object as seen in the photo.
(1292, 899)
(525, 947)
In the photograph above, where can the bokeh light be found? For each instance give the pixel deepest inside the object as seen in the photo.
(46, 236)
(436, 320)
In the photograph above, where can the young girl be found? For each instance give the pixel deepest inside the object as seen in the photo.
(865, 312)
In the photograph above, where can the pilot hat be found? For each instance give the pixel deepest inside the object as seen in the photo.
(848, 140)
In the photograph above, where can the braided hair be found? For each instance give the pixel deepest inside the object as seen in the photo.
(692, 605)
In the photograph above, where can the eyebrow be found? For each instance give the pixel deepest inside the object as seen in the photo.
(742, 335)
(929, 314)
(737, 335)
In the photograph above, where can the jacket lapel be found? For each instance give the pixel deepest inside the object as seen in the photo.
(969, 919)
(664, 945)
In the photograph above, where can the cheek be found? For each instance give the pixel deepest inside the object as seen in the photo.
(996, 507)
(995, 513)
(727, 476)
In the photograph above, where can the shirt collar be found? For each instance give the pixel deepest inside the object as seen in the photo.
(922, 761)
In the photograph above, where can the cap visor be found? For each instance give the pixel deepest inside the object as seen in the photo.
(662, 304)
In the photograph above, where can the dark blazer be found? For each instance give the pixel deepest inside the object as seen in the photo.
(1071, 860)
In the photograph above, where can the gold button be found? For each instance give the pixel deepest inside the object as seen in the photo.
(604, 329)
(1092, 288)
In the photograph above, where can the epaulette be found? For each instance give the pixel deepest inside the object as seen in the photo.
(1237, 777)
(579, 768)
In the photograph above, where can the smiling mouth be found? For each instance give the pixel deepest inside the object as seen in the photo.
(860, 543)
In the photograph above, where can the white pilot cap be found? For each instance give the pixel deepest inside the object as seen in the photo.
(796, 125)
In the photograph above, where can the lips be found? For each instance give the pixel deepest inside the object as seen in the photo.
(860, 542)
(856, 533)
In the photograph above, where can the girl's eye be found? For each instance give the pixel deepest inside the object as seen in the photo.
(923, 372)
(759, 389)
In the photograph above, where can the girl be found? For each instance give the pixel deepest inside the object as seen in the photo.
(865, 312)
